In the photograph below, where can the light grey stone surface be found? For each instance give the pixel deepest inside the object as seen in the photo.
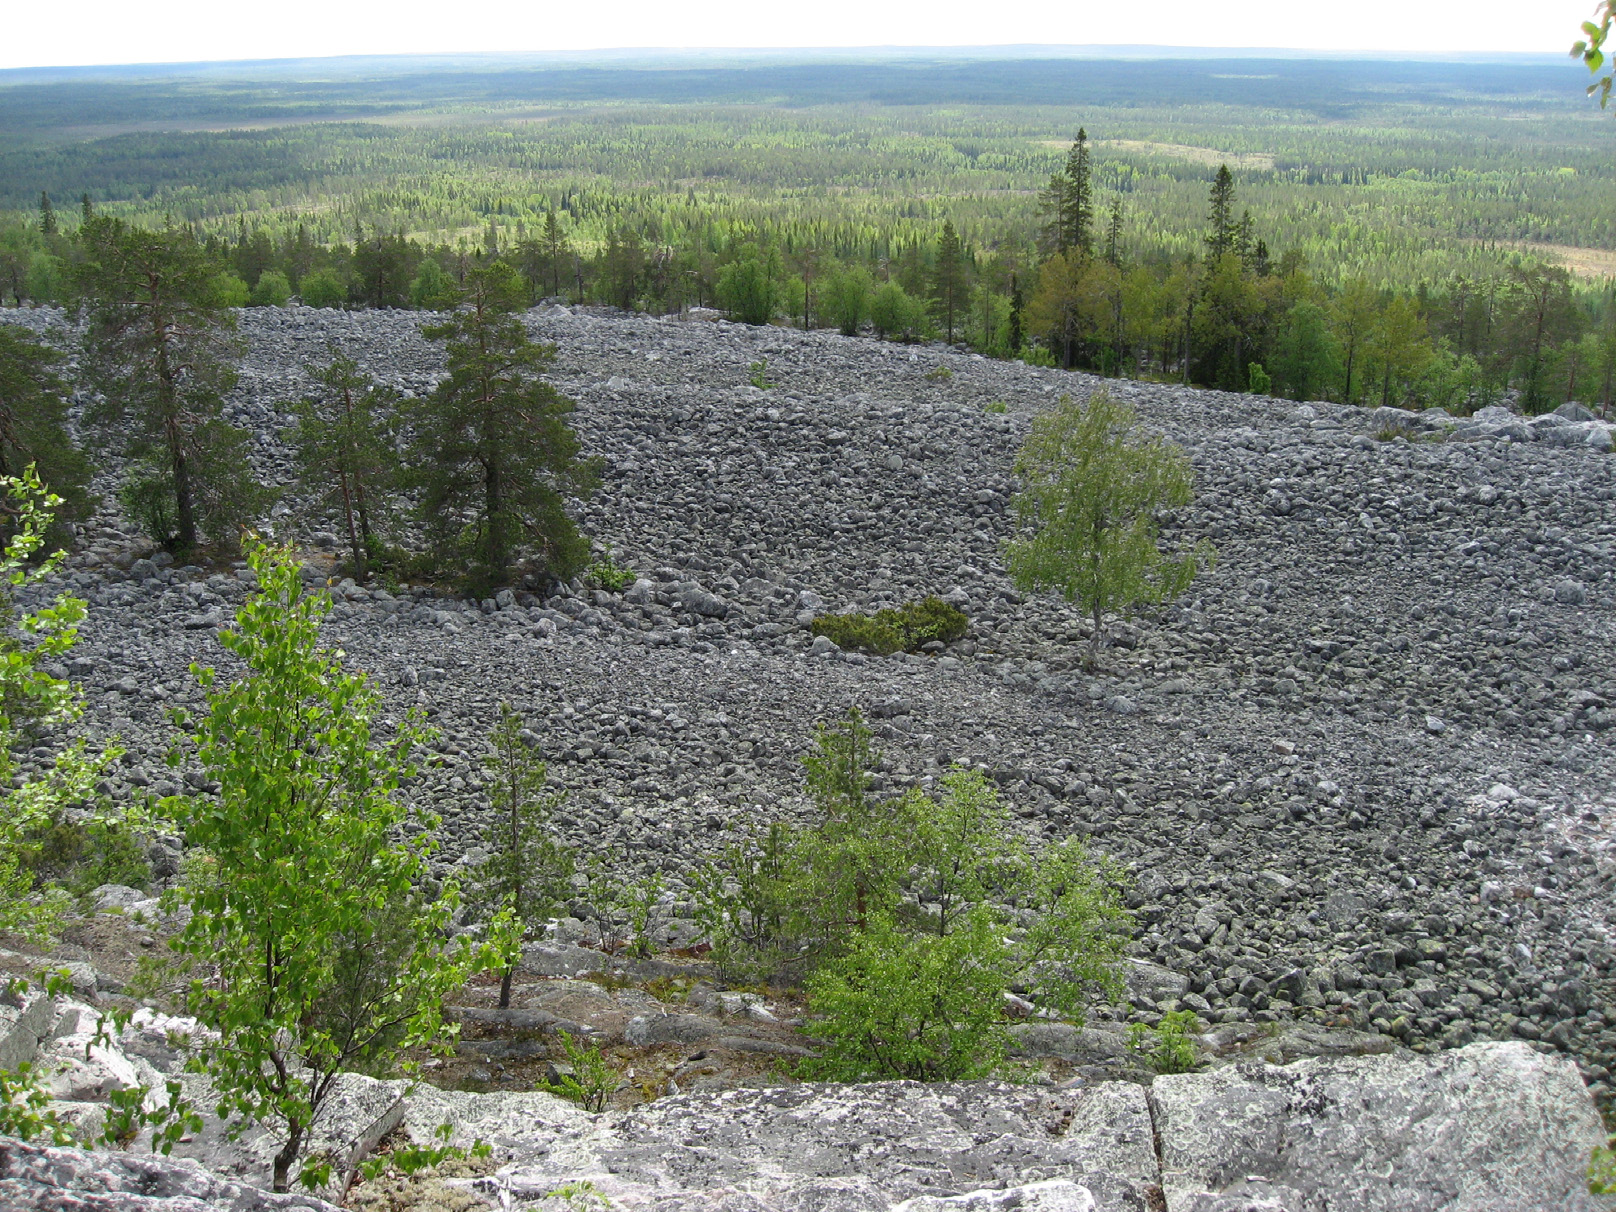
(1493, 1127)
(857, 1148)
(34, 1178)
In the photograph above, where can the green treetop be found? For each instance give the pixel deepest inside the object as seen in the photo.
(1092, 486)
(494, 452)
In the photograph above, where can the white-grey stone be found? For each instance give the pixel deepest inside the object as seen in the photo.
(1480, 1129)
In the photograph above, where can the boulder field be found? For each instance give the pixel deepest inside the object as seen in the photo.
(1359, 774)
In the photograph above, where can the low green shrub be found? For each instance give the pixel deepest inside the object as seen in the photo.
(758, 374)
(607, 574)
(1167, 1047)
(996, 408)
(593, 1079)
(906, 629)
(939, 374)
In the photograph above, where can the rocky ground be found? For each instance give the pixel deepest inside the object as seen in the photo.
(1360, 773)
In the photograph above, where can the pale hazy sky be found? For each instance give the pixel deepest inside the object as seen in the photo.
(145, 31)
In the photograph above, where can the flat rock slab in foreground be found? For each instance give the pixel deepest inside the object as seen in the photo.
(1488, 1128)
(856, 1148)
(41, 1179)
(1494, 1127)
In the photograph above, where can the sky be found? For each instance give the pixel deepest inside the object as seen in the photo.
(167, 31)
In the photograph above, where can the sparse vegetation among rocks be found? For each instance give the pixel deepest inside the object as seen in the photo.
(908, 628)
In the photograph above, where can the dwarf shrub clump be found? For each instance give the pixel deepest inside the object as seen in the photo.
(906, 629)
(907, 917)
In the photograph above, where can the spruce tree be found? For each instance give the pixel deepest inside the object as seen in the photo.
(33, 422)
(555, 249)
(47, 215)
(1222, 228)
(1113, 234)
(495, 457)
(949, 287)
(1079, 209)
(161, 346)
(343, 447)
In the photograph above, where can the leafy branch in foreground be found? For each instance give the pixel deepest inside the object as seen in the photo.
(318, 942)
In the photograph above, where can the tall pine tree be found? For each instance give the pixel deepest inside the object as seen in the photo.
(1222, 229)
(162, 348)
(496, 458)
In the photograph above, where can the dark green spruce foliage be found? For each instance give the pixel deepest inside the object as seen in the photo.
(528, 873)
(950, 286)
(344, 450)
(495, 456)
(33, 421)
(161, 348)
(905, 629)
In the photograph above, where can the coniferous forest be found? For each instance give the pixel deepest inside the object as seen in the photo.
(1382, 232)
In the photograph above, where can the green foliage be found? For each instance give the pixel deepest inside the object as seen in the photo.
(845, 299)
(757, 374)
(1591, 49)
(906, 629)
(317, 924)
(896, 313)
(431, 288)
(81, 854)
(229, 290)
(33, 422)
(1092, 486)
(344, 450)
(607, 574)
(496, 458)
(593, 1079)
(407, 1158)
(939, 374)
(996, 408)
(25, 1110)
(272, 290)
(323, 288)
(128, 1115)
(161, 349)
(900, 908)
(745, 906)
(29, 693)
(1168, 1047)
(748, 286)
(915, 1006)
(1601, 1169)
(528, 873)
(1257, 377)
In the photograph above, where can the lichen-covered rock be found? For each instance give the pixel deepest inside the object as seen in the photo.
(42, 1179)
(1492, 1127)
(858, 1148)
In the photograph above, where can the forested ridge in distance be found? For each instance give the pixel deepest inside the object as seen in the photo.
(1476, 192)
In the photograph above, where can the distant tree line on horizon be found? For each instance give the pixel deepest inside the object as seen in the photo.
(1230, 315)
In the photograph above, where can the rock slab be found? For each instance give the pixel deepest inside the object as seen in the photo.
(43, 1179)
(1492, 1127)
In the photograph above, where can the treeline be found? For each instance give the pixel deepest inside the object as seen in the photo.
(488, 457)
(1086, 292)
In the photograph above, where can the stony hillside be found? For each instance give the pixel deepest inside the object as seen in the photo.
(1360, 772)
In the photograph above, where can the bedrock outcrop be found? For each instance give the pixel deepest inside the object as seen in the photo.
(1486, 1128)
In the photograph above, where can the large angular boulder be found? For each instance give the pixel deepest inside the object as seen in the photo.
(1486, 1128)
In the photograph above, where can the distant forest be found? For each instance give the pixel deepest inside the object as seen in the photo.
(1417, 232)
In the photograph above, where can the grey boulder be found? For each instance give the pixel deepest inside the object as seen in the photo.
(44, 1179)
(1486, 1128)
